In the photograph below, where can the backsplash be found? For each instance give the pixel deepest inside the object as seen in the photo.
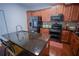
(65, 25)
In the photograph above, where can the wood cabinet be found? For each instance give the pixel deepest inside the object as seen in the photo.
(45, 15)
(73, 39)
(66, 36)
(74, 43)
(75, 12)
(44, 31)
(67, 13)
(70, 12)
(36, 13)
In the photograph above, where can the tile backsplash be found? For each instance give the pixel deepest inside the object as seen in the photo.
(65, 25)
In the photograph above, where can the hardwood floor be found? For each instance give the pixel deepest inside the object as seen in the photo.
(67, 51)
(55, 48)
(60, 49)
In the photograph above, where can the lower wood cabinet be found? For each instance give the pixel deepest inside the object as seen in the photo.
(75, 43)
(66, 36)
(72, 39)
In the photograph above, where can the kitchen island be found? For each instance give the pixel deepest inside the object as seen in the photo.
(34, 43)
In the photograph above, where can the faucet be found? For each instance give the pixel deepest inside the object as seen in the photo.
(18, 26)
(17, 31)
(17, 34)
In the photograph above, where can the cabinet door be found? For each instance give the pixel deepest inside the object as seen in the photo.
(47, 13)
(67, 13)
(65, 36)
(44, 31)
(74, 43)
(75, 13)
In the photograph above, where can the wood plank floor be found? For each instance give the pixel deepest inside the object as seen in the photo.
(59, 49)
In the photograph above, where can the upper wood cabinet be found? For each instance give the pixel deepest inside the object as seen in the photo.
(70, 12)
(36, 13)
(67, 13)
(75, 13)
(45, 15)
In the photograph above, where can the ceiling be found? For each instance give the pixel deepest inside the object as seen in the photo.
(35, 6)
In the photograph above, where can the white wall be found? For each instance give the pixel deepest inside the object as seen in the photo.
(15, 15)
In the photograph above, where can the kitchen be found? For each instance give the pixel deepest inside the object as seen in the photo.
(39, 29)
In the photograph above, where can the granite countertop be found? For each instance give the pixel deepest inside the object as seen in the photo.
(32, 42)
